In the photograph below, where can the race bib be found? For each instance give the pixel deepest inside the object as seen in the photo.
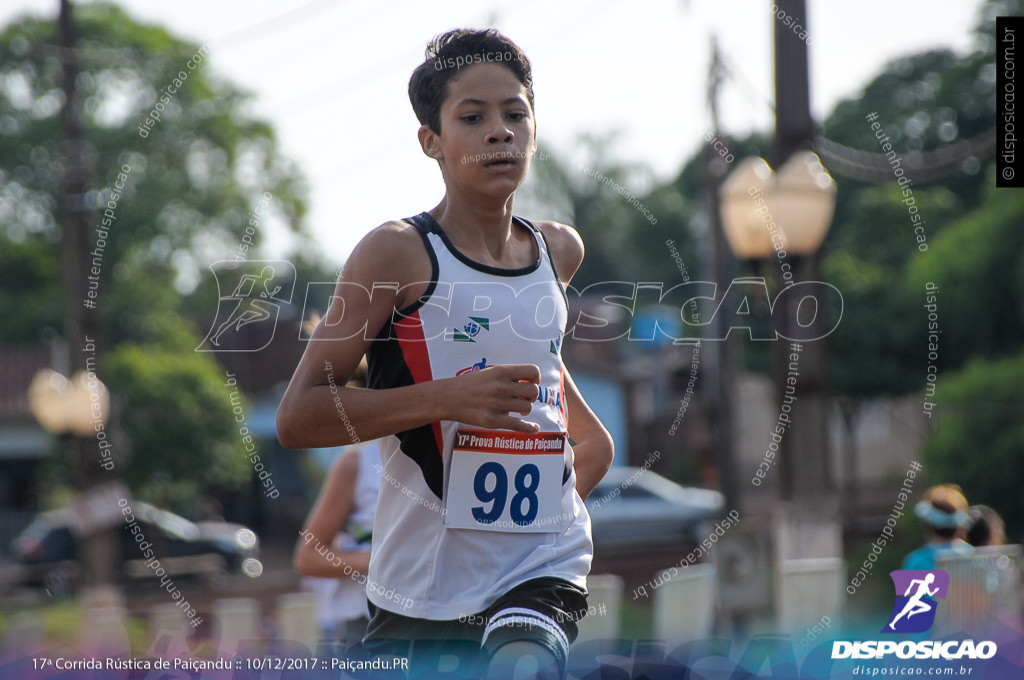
(506, 481)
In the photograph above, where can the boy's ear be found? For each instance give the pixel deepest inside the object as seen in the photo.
(429, 142)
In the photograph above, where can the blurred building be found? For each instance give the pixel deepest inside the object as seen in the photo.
(23, 442)
(639, 390)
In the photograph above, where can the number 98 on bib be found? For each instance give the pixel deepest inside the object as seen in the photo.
(506, 481)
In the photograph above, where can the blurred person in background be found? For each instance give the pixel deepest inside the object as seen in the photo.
(333, 551)
(944, 514)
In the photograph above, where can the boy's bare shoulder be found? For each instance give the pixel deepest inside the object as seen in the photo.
(566, 247)
(393, 251)
(394, 237)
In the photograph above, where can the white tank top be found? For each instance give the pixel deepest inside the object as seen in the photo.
(473, 316)
(342, 598)
(364, 507)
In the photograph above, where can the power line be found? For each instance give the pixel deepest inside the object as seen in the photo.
(291, 17)
(347, 81)
(390, 69)
(928, 166)
(746, 85)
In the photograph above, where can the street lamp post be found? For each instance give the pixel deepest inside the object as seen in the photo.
(800, 200)
(788, 223)
(72, 410)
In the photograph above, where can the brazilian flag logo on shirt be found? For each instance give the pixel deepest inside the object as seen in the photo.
(469, 332)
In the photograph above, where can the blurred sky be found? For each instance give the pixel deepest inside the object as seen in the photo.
(331, 75)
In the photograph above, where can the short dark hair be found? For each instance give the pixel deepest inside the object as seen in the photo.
(987, 523)
(447, 53)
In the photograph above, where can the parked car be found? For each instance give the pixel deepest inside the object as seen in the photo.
(49, 554)
(634, 509)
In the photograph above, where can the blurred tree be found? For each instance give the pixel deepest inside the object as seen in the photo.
(30, 295)
(925, 103)
(976, 263)
(976, 267)
(195, 175)
(180, 442)
(190, 181)
(876, 348)
(979, 439)
(624, 224)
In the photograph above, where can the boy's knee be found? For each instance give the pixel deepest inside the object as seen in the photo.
(527, 658)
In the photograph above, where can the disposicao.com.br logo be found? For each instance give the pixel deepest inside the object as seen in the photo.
(914, 612)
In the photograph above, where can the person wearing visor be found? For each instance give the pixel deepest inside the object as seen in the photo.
(944, 514)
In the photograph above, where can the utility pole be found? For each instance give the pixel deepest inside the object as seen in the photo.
(93, 518)
(794, 128)
(721, 371)
(809, 522)
(81, 321)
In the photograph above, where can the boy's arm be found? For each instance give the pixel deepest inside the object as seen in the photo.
(593, 448)
(333, 507)
(318, 410)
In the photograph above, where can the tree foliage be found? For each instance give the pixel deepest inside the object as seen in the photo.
(977, 265)
(175, 442)
(978, 442)
(192, 179)
(926, 102)
(623, 220)
(194, 176)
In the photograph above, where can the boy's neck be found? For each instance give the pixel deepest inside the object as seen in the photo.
(478, 228)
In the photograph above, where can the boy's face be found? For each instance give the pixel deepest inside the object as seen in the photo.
(488, 136)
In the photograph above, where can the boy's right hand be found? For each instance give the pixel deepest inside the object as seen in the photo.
(488, 398)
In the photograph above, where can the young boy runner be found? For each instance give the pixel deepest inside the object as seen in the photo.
(481, 532)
